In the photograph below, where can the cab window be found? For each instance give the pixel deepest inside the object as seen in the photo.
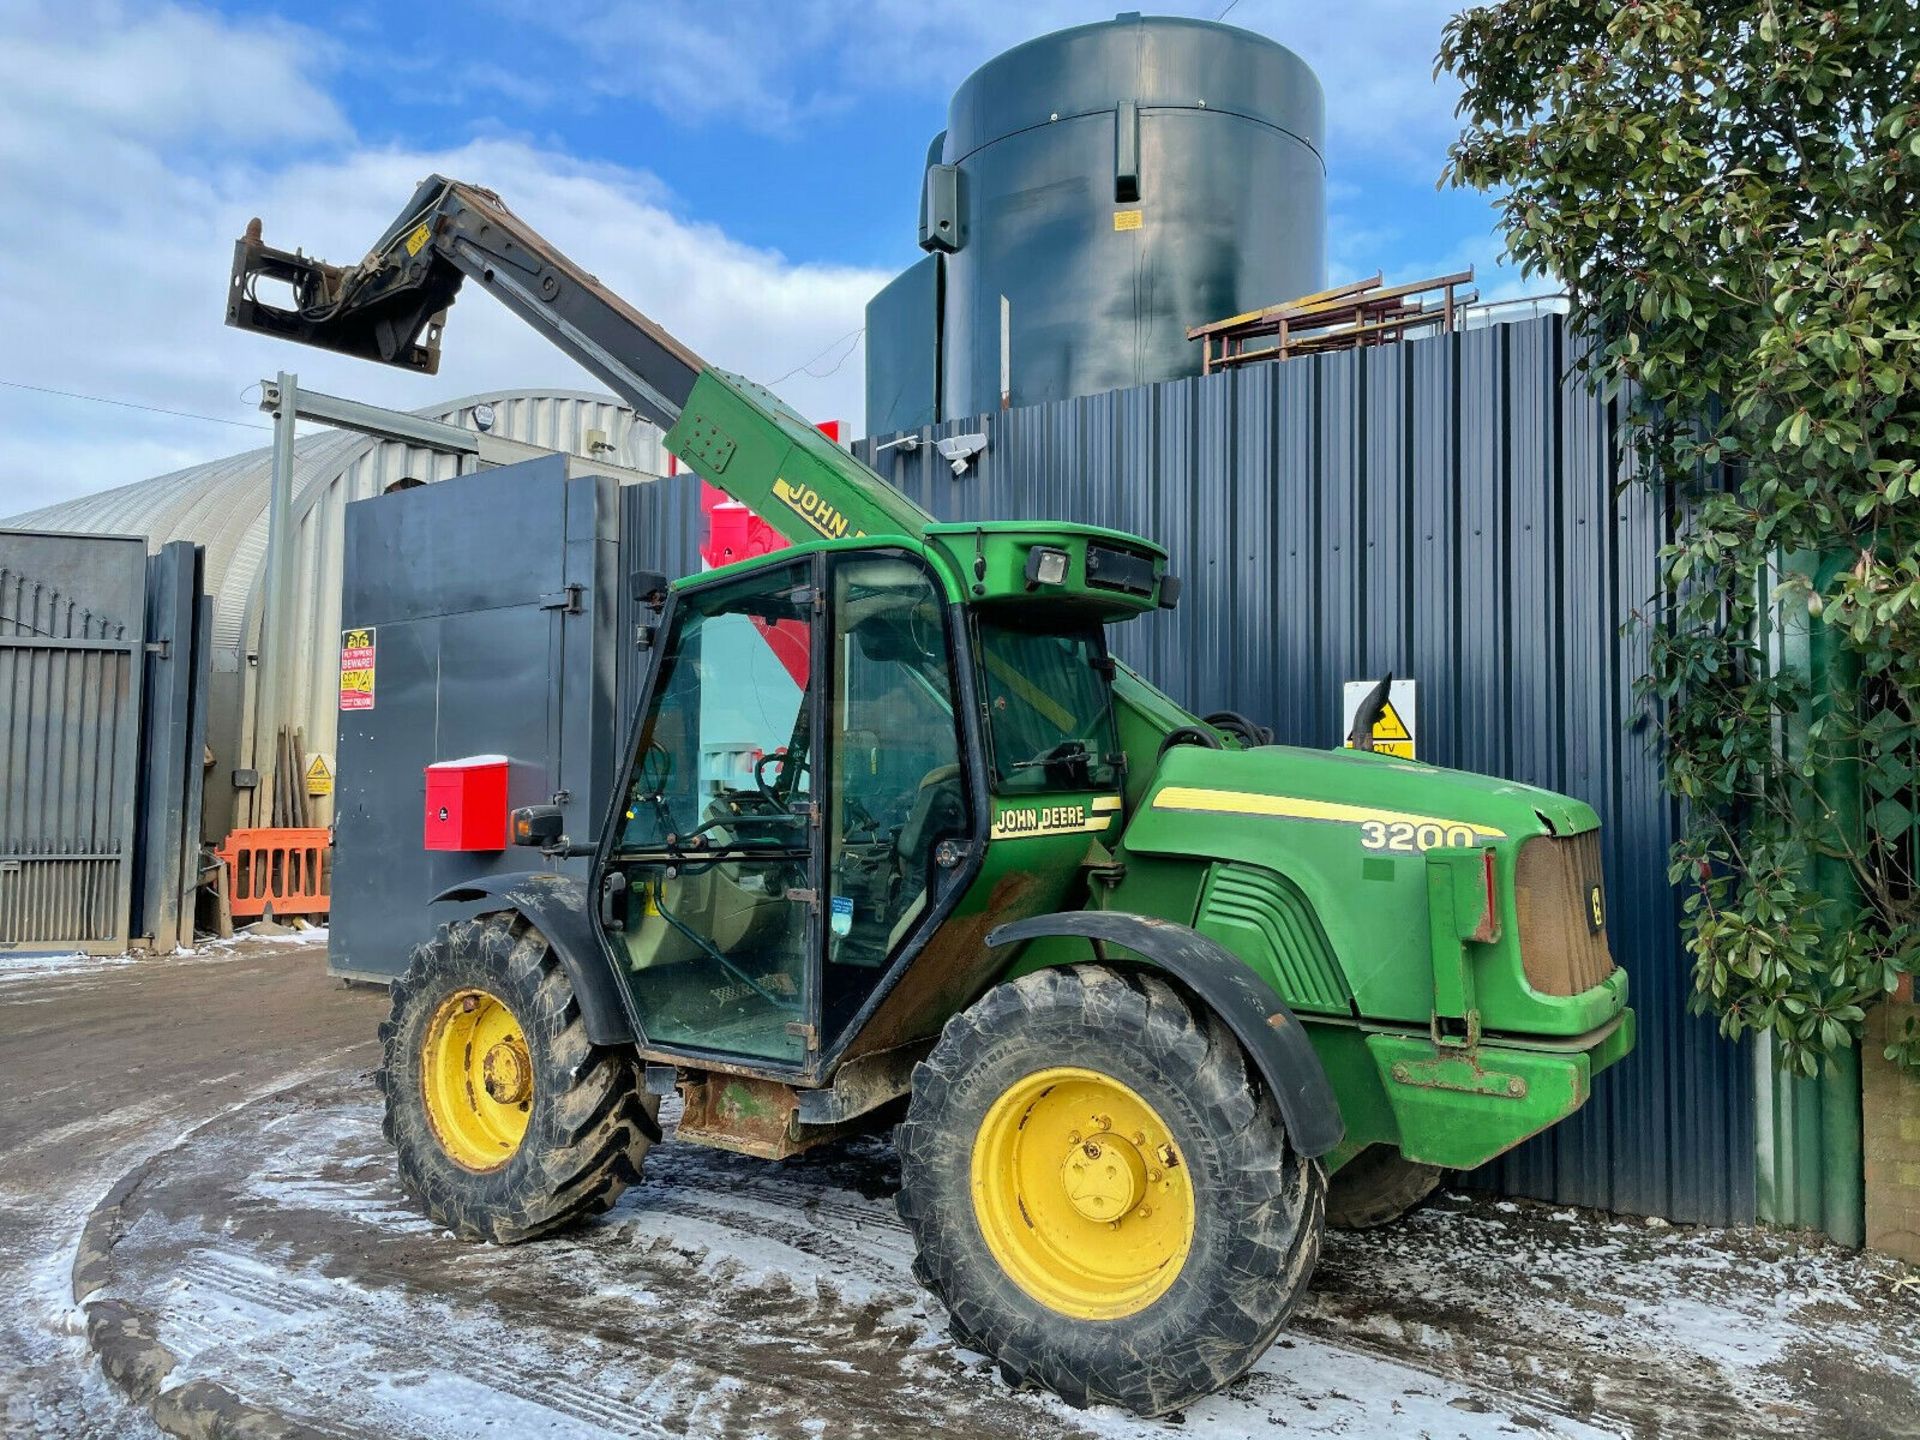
(1049, 702)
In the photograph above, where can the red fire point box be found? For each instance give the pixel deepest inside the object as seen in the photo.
(467, 803)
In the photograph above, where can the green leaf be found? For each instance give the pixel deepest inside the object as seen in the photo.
(1763, 346)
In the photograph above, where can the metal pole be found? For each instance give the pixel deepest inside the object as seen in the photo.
(1006, 353)
(1842, 1154)
(269, 679)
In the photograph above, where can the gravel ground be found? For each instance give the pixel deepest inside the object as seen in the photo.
(726, 1296)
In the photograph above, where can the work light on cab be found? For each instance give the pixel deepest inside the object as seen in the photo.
(1046, 566)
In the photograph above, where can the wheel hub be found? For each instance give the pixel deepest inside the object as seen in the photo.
(508, 1072)
(1081, 1193)
(1104, 1177)
(476, 1079)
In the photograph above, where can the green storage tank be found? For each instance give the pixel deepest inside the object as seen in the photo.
(1097, 192)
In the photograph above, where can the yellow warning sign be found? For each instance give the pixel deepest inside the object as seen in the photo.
(1390, 734)
(1394, 728)
(1127, 219)
(319, 777)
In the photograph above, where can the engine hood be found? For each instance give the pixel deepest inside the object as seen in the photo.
(1382, 805)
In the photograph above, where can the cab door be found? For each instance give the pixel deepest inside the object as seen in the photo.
(897, 817)
(711, 880)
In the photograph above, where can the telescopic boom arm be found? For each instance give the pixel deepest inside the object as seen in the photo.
(392, 307)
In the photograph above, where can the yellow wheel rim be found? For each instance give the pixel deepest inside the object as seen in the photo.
(1082, 1194)
(477, 1079)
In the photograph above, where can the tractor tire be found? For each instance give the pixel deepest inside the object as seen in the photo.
(1073, 1095)
(1376, 1187)
(508, 1122)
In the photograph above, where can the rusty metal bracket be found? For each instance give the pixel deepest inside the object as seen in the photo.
(1459, 1072)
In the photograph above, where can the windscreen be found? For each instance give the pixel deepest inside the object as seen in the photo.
(1049, 700)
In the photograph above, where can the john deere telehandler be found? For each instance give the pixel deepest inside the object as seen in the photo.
(898, 840)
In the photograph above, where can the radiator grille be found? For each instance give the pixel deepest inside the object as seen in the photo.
(1559, 895)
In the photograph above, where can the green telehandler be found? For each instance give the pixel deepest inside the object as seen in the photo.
(898, 841)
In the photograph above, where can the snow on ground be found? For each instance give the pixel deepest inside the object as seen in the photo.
(725, 1295)
(39, 967)
(72, 965)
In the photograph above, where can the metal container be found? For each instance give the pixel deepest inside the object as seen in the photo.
(490, 615)
(1102, 189)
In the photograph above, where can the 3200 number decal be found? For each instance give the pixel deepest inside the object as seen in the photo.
(1407, 838)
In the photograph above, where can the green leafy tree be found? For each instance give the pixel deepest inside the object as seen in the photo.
(1727, 191)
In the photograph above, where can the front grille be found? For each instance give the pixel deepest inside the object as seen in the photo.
(1562, 906)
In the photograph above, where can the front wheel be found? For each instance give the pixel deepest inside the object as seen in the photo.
(1102, 1193)
(507, 1120)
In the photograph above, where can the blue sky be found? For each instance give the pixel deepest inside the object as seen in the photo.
(747, 171)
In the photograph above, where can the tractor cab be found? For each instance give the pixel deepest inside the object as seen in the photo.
(809, 791)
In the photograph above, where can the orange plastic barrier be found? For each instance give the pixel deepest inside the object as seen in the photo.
(284, 870)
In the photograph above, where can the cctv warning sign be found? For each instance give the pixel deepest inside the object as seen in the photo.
(357, 668)
(1393, 728)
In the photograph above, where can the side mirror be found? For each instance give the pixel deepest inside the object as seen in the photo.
(647, 587)
(541, 825)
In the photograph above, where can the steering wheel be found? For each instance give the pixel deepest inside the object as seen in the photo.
(1241, 728)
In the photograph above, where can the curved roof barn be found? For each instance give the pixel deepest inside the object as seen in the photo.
(222, 505)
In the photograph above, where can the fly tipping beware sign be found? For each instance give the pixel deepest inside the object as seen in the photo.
(1393, 727)
(356, 668)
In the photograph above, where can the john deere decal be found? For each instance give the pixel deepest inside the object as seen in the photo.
(1384, 831)
(807, 503)
(1069, 818)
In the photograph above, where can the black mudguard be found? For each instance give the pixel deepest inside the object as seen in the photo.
(1258, 1017)
(556, 905)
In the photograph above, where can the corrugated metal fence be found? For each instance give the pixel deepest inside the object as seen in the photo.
(1450, 509)
(72, 633)
(103, 679)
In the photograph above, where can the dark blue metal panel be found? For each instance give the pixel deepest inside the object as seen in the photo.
(660, 530)
(1452, 509)
(172, 745)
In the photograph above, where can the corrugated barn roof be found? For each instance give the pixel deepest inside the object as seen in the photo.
(222, 505)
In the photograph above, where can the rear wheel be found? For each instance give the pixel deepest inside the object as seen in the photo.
(1378, 1186)
(1102, 1191)
(507, 1121)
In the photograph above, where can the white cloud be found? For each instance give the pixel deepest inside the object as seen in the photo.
(773, 64)
(116, 237)
(139, 139)
(164, 73)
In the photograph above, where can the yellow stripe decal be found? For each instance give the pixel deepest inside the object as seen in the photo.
(1290, 807)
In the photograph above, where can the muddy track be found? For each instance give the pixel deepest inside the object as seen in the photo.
(723, 1295)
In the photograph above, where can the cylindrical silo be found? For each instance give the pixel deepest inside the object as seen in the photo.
(1102, 189)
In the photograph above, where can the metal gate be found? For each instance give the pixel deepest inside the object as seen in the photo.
(72, 636)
